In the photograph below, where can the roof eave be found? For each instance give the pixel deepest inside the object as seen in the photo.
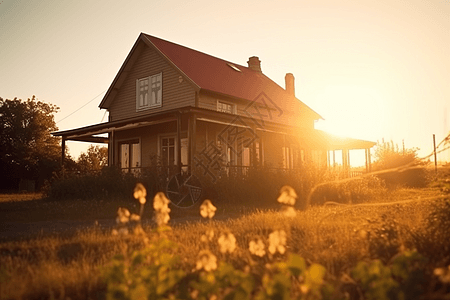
(110, 93)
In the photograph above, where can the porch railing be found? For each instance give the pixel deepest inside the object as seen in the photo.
(167, 172)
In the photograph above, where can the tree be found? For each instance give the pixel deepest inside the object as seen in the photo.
(27, 148)
(94, 159)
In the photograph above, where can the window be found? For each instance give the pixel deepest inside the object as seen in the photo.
(168, 151)
(130, 156)
(234, 67)
(286, 157)
(225, 107)
(292, 157)
(149, 92)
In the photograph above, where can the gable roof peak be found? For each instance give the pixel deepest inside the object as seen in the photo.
(212, 74)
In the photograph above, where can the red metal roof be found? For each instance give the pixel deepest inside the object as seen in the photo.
(217, 75)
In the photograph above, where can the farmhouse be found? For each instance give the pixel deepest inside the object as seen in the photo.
(188, 111)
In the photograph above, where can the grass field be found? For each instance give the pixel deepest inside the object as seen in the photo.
(389, 248)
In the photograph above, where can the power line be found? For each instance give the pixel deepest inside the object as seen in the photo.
(81, 107)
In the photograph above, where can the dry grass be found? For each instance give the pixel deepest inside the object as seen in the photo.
(20, 197)
(57, 267)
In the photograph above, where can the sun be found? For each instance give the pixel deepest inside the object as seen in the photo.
(352, 111)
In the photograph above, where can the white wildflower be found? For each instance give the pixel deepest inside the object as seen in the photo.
(120, 231)
(208, 236)
(162, 218)
(161, 203)
(443, 274)
(289, 211)
(304, 288)
(194, 294)
(287, 196)
(123, 231)
(140, 193)
(207, 209)
(227, 243)
(123, 215)
(257, 247)
(206, 261)
(138, 230)
(135, 218)
(162, 210)
(277, 242)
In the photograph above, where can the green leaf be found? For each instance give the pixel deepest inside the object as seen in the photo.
(316, 273)
(296, 264)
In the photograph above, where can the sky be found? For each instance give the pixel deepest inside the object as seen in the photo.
(372, 69)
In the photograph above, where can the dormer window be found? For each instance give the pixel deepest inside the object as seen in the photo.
(225, 107)
(149, 92)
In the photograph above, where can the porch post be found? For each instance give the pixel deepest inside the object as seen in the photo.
(254, 161)
(192, 126)
(261, 151)
(111, 148)
(370, 163)
(334, 159)
(345, 161)
(366, 160)
(63, 153)
(348, 158)
(179, 142)
(285, 158)
(328, 158)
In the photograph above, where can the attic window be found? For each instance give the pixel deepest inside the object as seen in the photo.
(234, 67)
(149, 92)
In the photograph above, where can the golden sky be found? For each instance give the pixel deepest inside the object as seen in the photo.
(372, 69)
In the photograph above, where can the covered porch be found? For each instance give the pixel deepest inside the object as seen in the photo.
(200, 141)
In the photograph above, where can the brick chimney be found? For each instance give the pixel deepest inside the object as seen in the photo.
(290, 87)
(254, 63)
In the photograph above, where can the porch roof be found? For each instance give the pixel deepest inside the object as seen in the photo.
(315, 139)
(329, 141)
(90, 133)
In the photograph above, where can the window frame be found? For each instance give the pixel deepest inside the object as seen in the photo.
(129, 142)
(160, 145)
(233, 107)
(150, 99)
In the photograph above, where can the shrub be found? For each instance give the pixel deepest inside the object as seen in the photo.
(259, 187)
(403, 279)
(109, 183)
(389, 156)
(359, 190)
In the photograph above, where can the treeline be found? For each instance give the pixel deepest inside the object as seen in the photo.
(29, 154)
